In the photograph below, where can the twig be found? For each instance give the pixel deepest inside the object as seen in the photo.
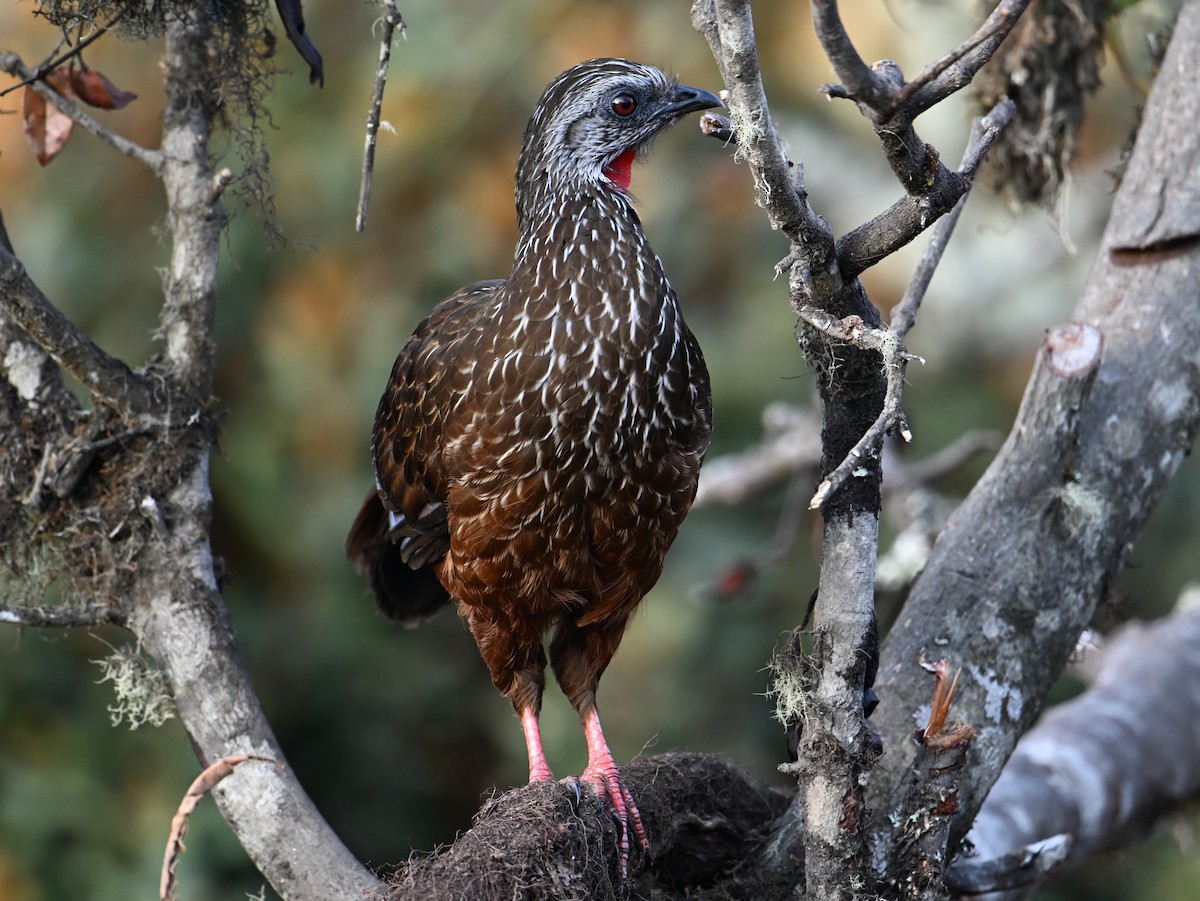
(932, 86)
(890, 342)
(391, 21)
(999, 23)
(151, 159)
(984, 132)
(52, 63)
(895, 363)
(48, 616)
(860, 82)
(104, 376)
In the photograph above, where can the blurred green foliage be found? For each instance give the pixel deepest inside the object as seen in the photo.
(398, 734)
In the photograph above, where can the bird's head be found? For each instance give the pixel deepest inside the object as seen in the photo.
(593, 120)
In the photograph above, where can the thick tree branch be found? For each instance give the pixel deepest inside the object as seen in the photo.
(1032, 551)
(1104, 768)
(176, 610)
(836, 745)
(105, 377)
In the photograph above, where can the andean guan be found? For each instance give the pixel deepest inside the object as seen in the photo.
(538, 443)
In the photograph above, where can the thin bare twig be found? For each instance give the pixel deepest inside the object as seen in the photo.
(390, 22)
(53, 62)
(151, 159)
(954, 71)
(997, 25)
(890, 342)
(984, 132)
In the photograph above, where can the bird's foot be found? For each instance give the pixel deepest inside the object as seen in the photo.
(606, 781)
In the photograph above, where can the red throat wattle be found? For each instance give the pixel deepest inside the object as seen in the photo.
(620, 170)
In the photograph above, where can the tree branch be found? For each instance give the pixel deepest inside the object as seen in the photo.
(151, 159)
(898, 225)
(1039, 540)
(389, 23)
(955, 71)
(891, 106)
(1104, 768)
(176, 610)
(61, 617)
(105, 377)
(890, 342)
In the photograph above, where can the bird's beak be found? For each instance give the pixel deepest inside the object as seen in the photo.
(689, 100)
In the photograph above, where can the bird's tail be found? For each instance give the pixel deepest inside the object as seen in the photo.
(406, 595)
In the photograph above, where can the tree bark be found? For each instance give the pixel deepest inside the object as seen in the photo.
(1023, 564)
(1104, 768)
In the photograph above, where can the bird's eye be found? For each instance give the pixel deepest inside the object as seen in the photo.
(624, 104)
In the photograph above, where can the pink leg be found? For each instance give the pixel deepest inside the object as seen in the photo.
(539, 769)
(602, 774)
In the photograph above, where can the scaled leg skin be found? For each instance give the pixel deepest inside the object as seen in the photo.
(539, 769)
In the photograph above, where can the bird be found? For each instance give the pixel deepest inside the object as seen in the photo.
(539, 441)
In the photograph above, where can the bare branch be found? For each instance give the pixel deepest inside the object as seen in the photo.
(792, 442)
(1106, 766)
(729, 29)
(895, 363)
(105, 377)
(912, 214)
(151, 159)
(904, 316)
(860, 82)
(954, 71)
(983, 133)
(1050, 524)
(390, 22)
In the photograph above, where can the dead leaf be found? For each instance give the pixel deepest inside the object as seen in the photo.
(46, 126)
(96, 90)
(203, 784)
(943, 694)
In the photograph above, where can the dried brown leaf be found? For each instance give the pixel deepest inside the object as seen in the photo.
(46, 127)
(94, 89)
(943, 695)
(203, 784)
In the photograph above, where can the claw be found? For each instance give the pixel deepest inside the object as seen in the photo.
(603, 776)
(572, 783)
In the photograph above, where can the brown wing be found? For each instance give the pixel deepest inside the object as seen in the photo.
(401, 531)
